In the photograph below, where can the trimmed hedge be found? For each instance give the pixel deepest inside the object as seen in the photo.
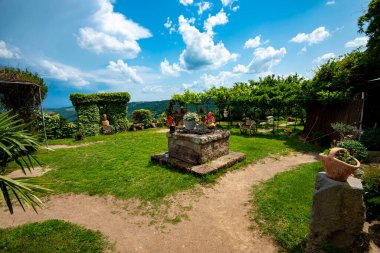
(111, 97)
(90, 107)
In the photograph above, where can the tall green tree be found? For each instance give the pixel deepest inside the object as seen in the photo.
(369, 24)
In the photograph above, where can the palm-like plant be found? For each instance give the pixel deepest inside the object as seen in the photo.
(17, 145)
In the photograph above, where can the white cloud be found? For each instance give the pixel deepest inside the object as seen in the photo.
(8, 53)
(228, 2)
(100, 42)
(316, 36)
(357, 42)
(330, 2)
(324, 58)
(186, 2)
(203, 6)
(112, 32)
(265, 58)
(261, 65)
(122, 68)
(153, 89)
(222, 79)
(168, 23)
(240, 69)
(219, 19)
(235, 8)
(201, 52)
(254, 42)
(64, 72)
(170, 70)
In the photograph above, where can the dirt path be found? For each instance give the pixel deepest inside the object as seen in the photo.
(73, 146)
(217, 221)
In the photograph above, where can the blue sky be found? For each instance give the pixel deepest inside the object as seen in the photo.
(153, 49)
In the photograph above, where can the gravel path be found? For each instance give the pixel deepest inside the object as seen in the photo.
(217, 222)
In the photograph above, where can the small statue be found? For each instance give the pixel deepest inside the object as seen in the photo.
(105, 122)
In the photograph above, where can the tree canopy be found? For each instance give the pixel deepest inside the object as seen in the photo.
(20, 91)
(369, 24)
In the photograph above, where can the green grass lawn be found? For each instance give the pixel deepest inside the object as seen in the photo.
(282, 205)
(121, 165)
(51, 237)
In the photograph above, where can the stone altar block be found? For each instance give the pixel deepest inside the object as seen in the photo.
(197, 149)
(199, 153)
(338, 213)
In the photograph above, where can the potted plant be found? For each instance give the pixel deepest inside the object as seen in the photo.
(190, 120)
(338, 163)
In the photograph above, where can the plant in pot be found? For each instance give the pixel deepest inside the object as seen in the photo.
(190, 120)
(338, 163)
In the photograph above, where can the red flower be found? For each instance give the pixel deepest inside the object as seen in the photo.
(170, 120)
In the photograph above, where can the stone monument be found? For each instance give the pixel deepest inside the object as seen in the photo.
(199, 152)
(338, 214)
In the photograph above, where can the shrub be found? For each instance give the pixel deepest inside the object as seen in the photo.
(56, 126)
(345, 130)
(371, 184)
(79, 135)
(355, 148)
(142, 116)
(371, 139)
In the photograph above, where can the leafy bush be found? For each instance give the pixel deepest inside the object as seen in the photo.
(371, 139)
(79, 135)
(355, 148)
(371, 184)
(142, 116)
(56, 126)
(120, 125)
(345, 130)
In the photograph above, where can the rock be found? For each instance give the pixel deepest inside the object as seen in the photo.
(374, 232)
(338, 214)
(358, 173)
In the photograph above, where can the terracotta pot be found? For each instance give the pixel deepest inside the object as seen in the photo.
(337, 169)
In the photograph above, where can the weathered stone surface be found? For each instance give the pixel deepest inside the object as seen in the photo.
(225, 161)
(198, 149)
(338, 213)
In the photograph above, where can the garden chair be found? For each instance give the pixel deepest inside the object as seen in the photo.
(248, 127)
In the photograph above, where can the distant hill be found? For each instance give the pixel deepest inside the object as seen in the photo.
(156, 107)
(68, 113)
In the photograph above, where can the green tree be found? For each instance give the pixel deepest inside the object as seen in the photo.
(369, 24)
(23, 98)
(17, 145)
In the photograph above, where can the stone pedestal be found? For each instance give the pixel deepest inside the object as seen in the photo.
(338, 213)
(198, 149)
(199, 153)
